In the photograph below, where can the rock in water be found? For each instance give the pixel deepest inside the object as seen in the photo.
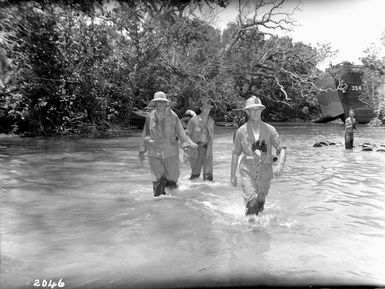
(367, 148)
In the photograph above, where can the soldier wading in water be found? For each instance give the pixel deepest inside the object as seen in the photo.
(255, 140)
(200, 129)
(160, 136)
(350, 125)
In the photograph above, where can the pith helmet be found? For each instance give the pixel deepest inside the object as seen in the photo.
(253, 102)
(160, 96)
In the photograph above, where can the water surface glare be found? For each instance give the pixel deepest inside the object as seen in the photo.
(82, 210)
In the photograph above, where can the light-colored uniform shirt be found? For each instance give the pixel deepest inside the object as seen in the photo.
(350, 124)
(200, 131)
(160, 137)
(262, 163)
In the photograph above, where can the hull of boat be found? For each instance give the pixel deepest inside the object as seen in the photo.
(329, 99)
(335, 103)
(351, 98)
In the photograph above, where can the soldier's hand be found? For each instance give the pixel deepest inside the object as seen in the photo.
(193, 145)
(186, 155)
(233, 180)
(141, 157)
(279, 169)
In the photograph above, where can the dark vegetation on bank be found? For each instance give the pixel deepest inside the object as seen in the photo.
(81, 68)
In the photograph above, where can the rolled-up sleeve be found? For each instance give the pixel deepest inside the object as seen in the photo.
(276, 141)
(211, 129)
(185, 140)
(237, 149)
(190, 127)
(146, 132)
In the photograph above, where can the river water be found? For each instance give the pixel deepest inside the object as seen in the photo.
(81, 211)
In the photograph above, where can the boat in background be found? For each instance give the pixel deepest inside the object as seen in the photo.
(329, 100)
(343, 85)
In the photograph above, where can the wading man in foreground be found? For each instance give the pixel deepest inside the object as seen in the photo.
(160, 136)
(255, 140)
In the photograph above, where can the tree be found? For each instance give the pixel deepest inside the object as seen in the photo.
(277, 70)
(178, 55)
(263, 16)
(374, 80)
(31, 46)
(79, 69)
(58, 56)
(274, 68)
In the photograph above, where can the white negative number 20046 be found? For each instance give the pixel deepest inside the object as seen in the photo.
(48, 283)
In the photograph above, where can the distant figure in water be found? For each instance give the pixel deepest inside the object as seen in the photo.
(255, 140)
(161, 132)
(190, 112)
(200, 129)
(188, 115)
(350, 124)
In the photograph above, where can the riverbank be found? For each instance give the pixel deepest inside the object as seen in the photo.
(135, 131)
(117, 132)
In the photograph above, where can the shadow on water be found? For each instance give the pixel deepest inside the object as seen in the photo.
(82, 211)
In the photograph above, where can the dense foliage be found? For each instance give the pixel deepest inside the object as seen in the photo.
(71, 67)
(374, 82)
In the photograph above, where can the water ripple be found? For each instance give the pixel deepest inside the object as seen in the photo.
(70, 204)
